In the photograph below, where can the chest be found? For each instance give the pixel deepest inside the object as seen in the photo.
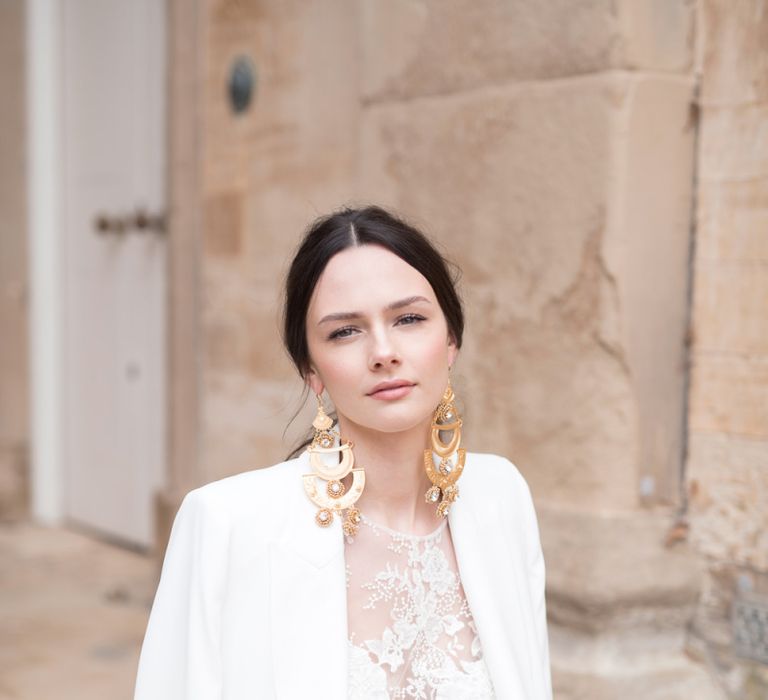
(286, 620)
(411, 629)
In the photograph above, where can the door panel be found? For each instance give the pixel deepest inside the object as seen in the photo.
(113, 97)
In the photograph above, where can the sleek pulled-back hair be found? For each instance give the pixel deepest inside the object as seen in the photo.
(350, 228)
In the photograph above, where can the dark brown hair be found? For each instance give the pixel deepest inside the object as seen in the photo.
(349, 228)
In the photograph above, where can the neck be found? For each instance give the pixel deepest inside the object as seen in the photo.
(395, 480)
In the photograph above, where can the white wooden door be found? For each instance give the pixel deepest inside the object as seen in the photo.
(113, 135)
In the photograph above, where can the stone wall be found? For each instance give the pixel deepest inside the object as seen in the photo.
(14, 380)
(727, 466)
(555, 161)
(556, 178)
(266, 173)
(550, 148)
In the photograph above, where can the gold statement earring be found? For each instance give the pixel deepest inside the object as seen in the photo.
(334, 497)
(444, 476)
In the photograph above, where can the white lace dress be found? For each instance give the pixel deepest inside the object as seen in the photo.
(411, 631)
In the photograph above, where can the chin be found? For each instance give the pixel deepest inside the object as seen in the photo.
(397, 423)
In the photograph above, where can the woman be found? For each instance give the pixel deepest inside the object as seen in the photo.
(384, 561)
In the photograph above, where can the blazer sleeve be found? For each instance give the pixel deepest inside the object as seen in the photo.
(180, 657)
(538, 579)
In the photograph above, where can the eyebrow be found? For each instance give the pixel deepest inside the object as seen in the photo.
(349, 315)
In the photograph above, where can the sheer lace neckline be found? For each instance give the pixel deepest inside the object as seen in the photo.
(410, 629)
(405, 535)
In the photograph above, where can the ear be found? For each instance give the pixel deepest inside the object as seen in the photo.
(312, 378)
(453, 351)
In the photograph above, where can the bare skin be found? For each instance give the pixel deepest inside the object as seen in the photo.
(379, 345)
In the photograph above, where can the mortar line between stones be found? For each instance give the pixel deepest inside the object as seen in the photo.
(521, 85)
(688, 344)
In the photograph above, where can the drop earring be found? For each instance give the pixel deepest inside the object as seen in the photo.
(447, 471)
(334, 497)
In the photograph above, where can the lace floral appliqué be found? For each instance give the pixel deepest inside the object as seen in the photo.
(411, 631)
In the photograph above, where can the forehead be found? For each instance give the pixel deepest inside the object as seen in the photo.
(366, 278)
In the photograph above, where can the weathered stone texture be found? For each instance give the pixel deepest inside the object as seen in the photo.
(710, 634)
(733, 142)
(652, 673)
(549, 148)
(266, 173)
(729, 498)
(732, 222)
(434, 47)
(729, 374)
(731, 52)
(729, 307)
(567, 285)
(484, 169)
(185, 106)
(646, 252)
(656, 34)
(727, 468)
(728, 395)
(616, 571)
(223, 236)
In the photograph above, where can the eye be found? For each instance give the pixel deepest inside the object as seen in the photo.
(408, 319)
(341, 333)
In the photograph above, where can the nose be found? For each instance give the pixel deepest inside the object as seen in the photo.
(383, 352)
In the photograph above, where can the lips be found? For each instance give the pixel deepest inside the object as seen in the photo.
(385, 387)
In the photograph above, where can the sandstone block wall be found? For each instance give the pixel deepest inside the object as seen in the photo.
(727, 466)
(261, 177)
(555, 162)
(550, 148)
(529, 149)
(572, 250)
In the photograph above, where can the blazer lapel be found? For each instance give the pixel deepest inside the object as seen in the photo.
(308, 604)
(495, 594)
(309, 597)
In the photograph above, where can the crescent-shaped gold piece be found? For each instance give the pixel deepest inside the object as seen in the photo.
(336, 470)
(320, 498)
(446, 448)
(437, 477)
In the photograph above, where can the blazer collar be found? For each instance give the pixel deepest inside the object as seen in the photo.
(309, 601)
(496, 595)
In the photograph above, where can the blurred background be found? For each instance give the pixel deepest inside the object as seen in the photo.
(598, 169)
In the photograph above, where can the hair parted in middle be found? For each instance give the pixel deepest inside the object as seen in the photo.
(350, 228)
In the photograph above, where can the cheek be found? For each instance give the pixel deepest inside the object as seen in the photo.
(433, 370)
(437, 353)
(437, 359)
(334, 367)
(336, 371)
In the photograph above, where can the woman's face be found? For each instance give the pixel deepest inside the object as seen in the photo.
(378, 340)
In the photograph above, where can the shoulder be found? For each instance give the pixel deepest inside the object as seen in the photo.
(489, 471)
(251, 492)
(495, 485)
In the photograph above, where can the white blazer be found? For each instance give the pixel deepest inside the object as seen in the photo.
(251, 603)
